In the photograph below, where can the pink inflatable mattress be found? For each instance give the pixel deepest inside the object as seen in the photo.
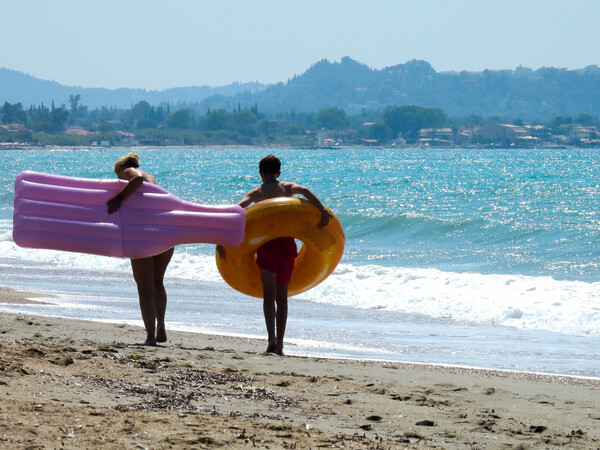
(67, 213)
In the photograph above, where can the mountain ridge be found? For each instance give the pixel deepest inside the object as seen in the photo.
(20, 87)
(523, 93)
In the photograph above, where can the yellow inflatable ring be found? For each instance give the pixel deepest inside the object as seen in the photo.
(320, 253)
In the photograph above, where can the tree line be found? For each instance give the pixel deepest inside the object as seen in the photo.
(246, 125)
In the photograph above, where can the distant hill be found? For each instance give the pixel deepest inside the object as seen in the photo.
(19, 87)
(521, 93)
(532, 95)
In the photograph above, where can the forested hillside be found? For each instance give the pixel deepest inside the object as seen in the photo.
(530, 95)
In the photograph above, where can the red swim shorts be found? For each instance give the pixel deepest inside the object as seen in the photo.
(278, 256)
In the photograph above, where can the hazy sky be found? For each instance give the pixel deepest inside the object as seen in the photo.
(157, 44)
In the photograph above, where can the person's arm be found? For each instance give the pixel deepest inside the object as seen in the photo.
(135, 182)
(249, 198)
(312, 198)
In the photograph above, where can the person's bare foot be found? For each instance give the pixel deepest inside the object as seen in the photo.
(272, 347)
(161, 335)
(147, 343)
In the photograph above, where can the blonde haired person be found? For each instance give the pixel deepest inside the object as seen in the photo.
(148, 273)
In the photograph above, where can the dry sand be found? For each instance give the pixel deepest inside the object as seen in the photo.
(77, 384)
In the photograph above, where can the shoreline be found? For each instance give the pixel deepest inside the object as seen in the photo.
(9, 295)
(282, 147)
(77, 379)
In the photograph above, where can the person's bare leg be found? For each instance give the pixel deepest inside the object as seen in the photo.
(160, 293)
(282, 314)
(269, 295)
(143, 270)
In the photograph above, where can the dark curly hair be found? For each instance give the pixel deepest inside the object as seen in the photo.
(270, 165)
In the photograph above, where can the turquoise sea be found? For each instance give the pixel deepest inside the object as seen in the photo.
(473, 257)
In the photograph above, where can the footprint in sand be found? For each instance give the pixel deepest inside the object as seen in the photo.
(425, 423)
(375, 418)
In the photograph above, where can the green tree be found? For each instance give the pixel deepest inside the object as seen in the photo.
(295, 128)
(180, 120)
(58, 119)
(139, 111)
(584, 119)
(268, 128)
(49, 121)
(244, 121)
(12, 113)
(409, 120)
(215, 120)
(74, 102)
(331, 119)
(379, 131)
(77, 111)
(146, 122)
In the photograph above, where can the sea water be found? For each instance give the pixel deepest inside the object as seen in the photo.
(473, 257)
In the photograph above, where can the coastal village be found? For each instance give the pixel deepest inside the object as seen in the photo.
(502, 135)
(496, 135)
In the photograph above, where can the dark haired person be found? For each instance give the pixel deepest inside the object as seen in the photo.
(276, 258)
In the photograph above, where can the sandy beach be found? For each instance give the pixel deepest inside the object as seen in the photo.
(77, 384)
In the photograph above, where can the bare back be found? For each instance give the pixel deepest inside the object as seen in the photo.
(130, 173)
(270, 189)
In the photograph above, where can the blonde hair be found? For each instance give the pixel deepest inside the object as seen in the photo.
(129, 160)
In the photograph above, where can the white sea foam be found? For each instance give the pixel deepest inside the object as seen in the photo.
(502, 300)
(527, 302)
(185, 264)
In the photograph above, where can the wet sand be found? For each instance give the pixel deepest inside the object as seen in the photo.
(77, 384)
